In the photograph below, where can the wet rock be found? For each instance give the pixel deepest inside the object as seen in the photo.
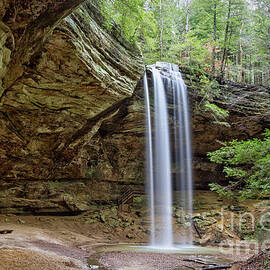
(205, 223)
(179, 213)
(187, 224)
(197, 216)
(237, 208)
(148, 232)
(179, 220)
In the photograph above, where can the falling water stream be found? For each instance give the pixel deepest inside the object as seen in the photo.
(169, 159)
(149, 157)
(167, 80)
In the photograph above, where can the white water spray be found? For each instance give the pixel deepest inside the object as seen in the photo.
(158, 148)
(149, 159)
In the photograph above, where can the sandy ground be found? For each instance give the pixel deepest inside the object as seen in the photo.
(49, 243)
(33, 248)
(15, 258)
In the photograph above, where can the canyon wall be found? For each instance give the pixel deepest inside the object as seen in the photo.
(62, 79)
(72, 110)
(122, 144)
(61, 76)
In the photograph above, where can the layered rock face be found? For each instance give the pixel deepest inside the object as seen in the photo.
(61, 78)
(119, 145)
(24, 27)
(71, 120)
(248, 108)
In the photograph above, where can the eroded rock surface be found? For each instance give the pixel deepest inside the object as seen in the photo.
(120, 147)
(248, 108)
(71, 121)
(61, 78)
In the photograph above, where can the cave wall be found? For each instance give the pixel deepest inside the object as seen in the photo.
(24, 27)
(72, 110)
(62, 76)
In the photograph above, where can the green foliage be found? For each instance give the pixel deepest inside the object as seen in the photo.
(219, 112)
(194, 49)
(210, 89)
(221, 191)
(138, 199)
(234, 172)
(127, 14)
(208, 34)
(248, 161)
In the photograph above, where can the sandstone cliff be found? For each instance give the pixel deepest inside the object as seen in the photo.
(72, 122)
(61, 77)
(119, 153)
(248, 108)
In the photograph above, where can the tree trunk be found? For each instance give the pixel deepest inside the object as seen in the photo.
(214, 40)
(187, 16)
(241, 71)
(160, 29)
(226, 37)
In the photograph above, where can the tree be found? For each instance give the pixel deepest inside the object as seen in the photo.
(229, 38)
(261, 36)
(226, 38)
(214, 39)
(161, 28)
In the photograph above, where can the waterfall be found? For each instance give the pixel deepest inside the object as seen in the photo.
(162, 161)
(149, 159)
(167, 85)
(182, 141)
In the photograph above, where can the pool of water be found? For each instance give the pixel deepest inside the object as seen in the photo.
(143, 257)
(177, 249)
(180, 249)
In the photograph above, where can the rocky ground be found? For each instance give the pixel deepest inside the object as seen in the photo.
(61, 247)
(258, 261)
(92, 238)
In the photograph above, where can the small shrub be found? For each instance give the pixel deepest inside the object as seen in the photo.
(248, 162)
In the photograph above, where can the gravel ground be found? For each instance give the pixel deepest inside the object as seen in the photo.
(260, 261)
(126, 260)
